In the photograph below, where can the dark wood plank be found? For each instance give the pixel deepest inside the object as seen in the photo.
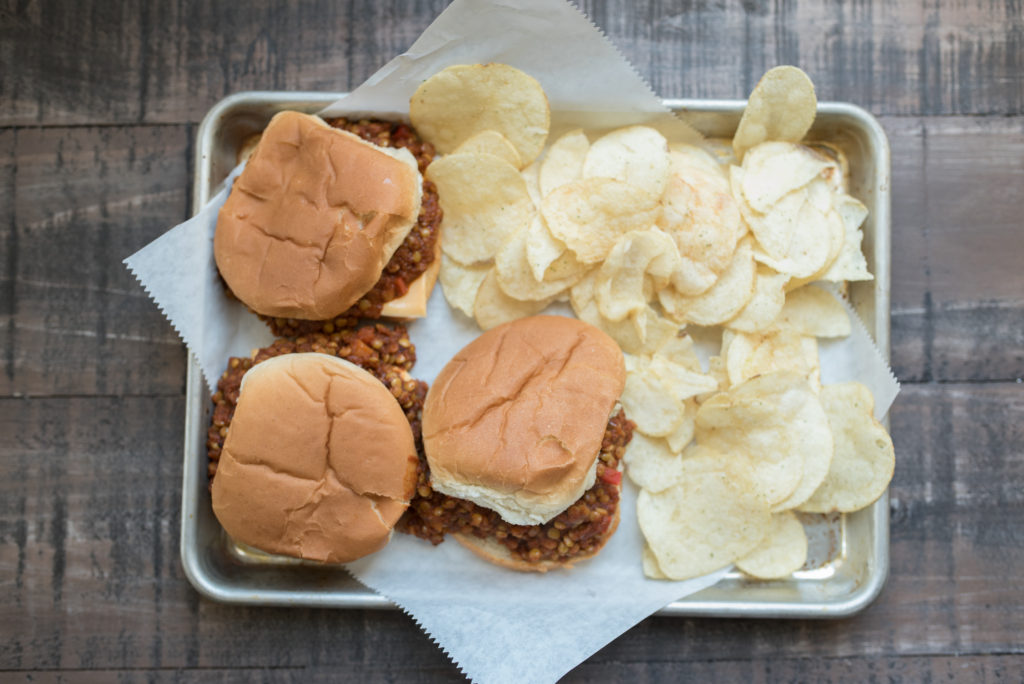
(85, 198)
(168, 62)
(957, 281)
(89, 515)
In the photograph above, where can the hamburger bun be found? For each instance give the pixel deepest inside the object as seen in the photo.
(515, 421)
(493, 551)
(313, 218)
(319, 461)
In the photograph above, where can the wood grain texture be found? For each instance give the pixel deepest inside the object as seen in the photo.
(123, 62)
(83, 199)
(90, 579)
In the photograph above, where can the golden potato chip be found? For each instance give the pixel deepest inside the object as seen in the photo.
(563, 162)
(716, 369)
(703, 219)
(460, 283)
(683, 157)
(681, 383)
(773, 421)
(723, 301)
(753, 354)
(637, 155)
(490, 142)
(641, 333)
(638, 265)
(493, 307)
(810, 310)
(772, 170)
(462, 100)
(590, 215)
(681, 437)
(485, 202)
(850, 263)
(651, 464)
(649, 403)
(783, 551)
(781, 107)
(765, 303)
(680, 350)
(515, 277)
(864, 458)
(530, 177)
(713, 515)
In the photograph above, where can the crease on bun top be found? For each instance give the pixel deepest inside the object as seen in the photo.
(515, 421)
(313, 218)
(319, 462)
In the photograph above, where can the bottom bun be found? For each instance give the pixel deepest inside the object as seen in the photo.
(493, 551)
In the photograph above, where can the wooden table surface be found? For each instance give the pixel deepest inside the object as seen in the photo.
(99, 104)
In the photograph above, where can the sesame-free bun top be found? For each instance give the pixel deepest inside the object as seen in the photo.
(514, 422)
(319, 461)
(313, 218)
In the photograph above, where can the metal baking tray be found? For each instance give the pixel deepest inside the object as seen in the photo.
(848, 554)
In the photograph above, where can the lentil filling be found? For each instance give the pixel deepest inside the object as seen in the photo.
(386, 353)
(576, 532)
(411, 258)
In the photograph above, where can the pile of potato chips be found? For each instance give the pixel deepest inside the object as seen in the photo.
(645, 237)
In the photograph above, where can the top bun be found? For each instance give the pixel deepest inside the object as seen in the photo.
(313, 218)
(319, 460)
(515, 421)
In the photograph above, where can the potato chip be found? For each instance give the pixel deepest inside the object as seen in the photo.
(850, 263)
(680, 350)
(772, 170)
(765, 303)
(683, 157)
(649, 403)
(651, 464)
(485, 202)
(864, 458)
(773, 421)
(530, 177)
(490, 142)
(650, 563)
(515, 277)
(681, 437)
(563, 162)
(706, 520)
(641, 333)
(782, 107)
(723, 301)
(681, 382)
(493, 307)
(464, 99)
(783, 551)
(704, 221)
(813, 311)
(716, 369)
(590, 215)
(460, 283)
(750, 355)
(637, 155)
(638, 265)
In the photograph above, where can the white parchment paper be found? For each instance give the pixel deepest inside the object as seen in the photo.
(497, 625)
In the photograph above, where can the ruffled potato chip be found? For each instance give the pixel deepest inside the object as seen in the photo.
(637, 155)
(783, 551)
(713, 515)
(864, 458)
(485, 202)
(492, 306)
(773, 421)
(723, 301)
(464, 99)
(490, 142)
(563, 162)
(460, 283)
(590, 215)
(781, 107)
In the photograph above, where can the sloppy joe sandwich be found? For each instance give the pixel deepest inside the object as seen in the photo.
(522, 434)
(314, 218)
(319, 461)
